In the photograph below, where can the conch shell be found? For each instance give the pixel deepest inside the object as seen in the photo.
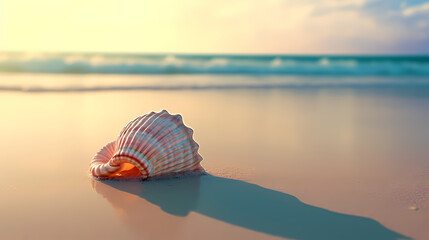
(153, 144)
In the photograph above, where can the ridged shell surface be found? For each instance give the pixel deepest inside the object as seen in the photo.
(150, 145)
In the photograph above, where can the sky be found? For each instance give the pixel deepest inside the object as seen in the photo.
(216, 26)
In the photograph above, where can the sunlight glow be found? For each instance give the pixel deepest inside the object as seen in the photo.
(222, 26)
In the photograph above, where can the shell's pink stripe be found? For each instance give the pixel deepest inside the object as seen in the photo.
(162, 125)
(178, 159)
(149, 131)
(139, 129)
(142, 120)
(99, 166)
(187, 158)
(172, 156)
(140, 124)
(125, 131)
(151, 153)
(182, 146)
(180, 167)
(169, 144)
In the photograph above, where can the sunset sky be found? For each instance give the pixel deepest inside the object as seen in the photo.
(216, 26)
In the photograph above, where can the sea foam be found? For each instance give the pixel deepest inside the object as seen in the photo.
(215, 64)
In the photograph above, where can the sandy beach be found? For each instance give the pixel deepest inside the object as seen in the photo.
(291, 163)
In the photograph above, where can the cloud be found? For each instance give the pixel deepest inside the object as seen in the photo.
(217, 26)
(415, 10)
(342, 3)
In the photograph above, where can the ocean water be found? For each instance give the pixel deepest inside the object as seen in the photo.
(97, 72)
(215, 64)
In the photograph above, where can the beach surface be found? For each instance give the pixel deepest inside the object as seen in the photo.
(284, 163)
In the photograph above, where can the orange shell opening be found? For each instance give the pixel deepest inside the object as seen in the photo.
(127, 170)
(101, 166)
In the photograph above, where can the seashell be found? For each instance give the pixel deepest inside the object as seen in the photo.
(153, 144)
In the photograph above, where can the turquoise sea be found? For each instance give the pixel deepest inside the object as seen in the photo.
(174, 72)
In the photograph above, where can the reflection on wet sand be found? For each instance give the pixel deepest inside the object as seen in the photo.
(231, 201)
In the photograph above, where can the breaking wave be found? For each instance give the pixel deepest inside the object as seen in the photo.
(215, 64)
(94, 83)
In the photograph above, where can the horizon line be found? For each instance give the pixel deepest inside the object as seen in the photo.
(216, 54)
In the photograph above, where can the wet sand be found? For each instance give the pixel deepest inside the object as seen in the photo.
(317, 163)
